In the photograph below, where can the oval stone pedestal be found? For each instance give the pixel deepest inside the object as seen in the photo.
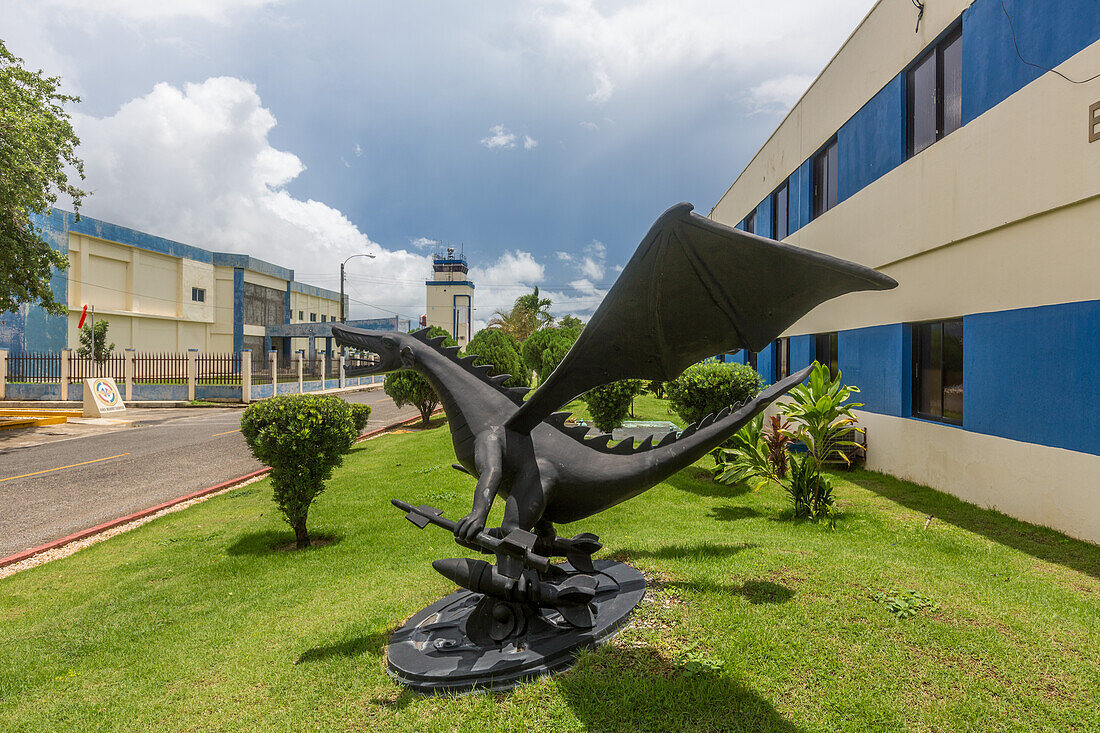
(433, 650)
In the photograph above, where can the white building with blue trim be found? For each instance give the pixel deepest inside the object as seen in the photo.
(963, 160)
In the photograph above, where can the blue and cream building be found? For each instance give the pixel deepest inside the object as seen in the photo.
(963, 160)
(158, 295)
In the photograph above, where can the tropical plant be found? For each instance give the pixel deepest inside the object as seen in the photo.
(37, 154)
(777, 438)
(303, 438)
(408, 387)
(745, 457)
(610, 403)
(528, 314)
(703, 389)
(810, 490)
(822, 415)
(102, 348)
(497, 349)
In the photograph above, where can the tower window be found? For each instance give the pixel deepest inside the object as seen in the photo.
(198, 295)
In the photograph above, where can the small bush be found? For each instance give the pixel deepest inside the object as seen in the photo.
(406, 387)
(360, 414)
(810, 490)
(708, 388)
(303, 438)
(500, 351)
(610, 403)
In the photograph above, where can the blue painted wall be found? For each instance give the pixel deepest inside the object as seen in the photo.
(1047, 32)
(877, 360)
(1032, 374)
(872, 142)
(802, 352)
(238, 309)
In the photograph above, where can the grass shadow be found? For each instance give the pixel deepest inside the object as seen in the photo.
(699, 481)
(699, 550)
(1041, 543)
(271, 541)
(372, 644)
(753, 591)
(637, 689)
(732, 513)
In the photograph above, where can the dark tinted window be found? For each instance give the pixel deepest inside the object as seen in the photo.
(825, 348)
(782, 352)
(952, 84)
(750, 358)
(825, 179)
(934, 85)
(750, 222)
(780, 228)
(938, 370)
(922, 104)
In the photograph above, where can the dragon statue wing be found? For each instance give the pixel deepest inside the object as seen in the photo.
(694, 288)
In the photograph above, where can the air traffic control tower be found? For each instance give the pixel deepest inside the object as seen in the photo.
(451, 296)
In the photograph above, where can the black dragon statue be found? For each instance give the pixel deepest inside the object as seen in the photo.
(694, 288)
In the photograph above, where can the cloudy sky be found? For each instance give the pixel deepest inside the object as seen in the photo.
(543, 136)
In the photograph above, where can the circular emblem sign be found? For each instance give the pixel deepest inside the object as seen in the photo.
(105, 394)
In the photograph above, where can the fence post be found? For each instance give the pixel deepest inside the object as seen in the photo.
(300, 355)
(273, 362)
(321, 356)
(343, 379)
(3, 372)
(66, 355)
(128, 372)
(192, 373)
(246, 376)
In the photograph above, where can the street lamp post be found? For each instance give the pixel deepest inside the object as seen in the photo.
(367, 254)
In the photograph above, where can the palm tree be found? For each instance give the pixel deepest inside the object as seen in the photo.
(528, 314)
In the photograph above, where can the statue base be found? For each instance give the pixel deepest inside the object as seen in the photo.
(469, 641)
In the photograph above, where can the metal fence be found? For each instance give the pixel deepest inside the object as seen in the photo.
(34, 367)
(218, 369)
(84, 367)
(160, 369)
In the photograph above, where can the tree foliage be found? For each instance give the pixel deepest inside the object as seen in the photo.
(528, 314)
(102, 348)
(707, 388)
(545, 348)
(571, 323)
(303, 438)
(610, 403)
(407, 387)
(37, 144)
(500, 351)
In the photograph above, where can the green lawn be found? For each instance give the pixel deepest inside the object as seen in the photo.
(753, 622)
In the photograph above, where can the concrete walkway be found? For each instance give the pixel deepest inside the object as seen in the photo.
(52, 485)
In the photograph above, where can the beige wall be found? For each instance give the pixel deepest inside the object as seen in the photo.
(440, 307)
(1036, 483)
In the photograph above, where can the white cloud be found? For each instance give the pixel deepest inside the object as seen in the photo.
(499, 137)
(425, 243)
(216, 11)
(778, 95)
(590, 126)
(195, 165)
(529, 142)
(358, 150)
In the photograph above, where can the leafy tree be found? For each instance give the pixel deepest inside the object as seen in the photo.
(102, 348)
(610, 403)
(545, 348)
(707, 388)
(499, 350)
(408, 387)
(303, 438)
(528, 314)
(571, 323)
(37, 142)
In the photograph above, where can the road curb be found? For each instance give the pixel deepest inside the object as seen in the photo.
(99, 528)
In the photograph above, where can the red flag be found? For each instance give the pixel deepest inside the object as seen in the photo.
(83, 315)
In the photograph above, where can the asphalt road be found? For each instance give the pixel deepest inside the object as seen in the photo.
(66, 484)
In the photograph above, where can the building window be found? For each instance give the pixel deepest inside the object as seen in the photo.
(825, 178)
(938, 371)
(780, 213)
(934, 91)
(781, 352)
(312, 317)
(301, 316)
(750, 222)
(198, 295)
(323, 318)
(751, 358)
(825, 351)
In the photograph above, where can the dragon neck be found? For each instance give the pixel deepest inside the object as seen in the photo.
(460, 388)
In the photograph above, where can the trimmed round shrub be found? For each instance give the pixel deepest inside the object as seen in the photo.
(406, 387)
(709, 387)
(610, 403)
(303, 438)
(499, 350)
(360, 414)
(544, 349)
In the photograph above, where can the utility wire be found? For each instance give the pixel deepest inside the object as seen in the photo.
(1016, 43)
